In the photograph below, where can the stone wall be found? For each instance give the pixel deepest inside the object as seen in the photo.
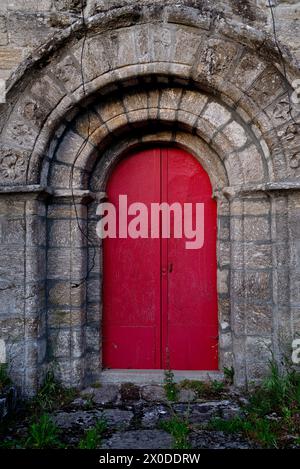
(204, 76)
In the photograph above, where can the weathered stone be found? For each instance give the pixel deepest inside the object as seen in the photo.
(204, 78)
(140, 439)
(154, 393)
(201, 412)
(153, 416)
(105, 394)
(129, 392)
(218, 440)
(186, 395)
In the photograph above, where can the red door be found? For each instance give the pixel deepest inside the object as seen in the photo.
(160, 298)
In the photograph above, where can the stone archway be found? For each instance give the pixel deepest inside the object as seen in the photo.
(191, 82)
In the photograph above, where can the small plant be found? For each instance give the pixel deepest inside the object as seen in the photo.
(204, 390)
(229, 375)
(273, 411)
(4, 378)
(92, 438)
(43, 434)
(261, 430)
(217, 386)
(179, 429)
(52, 395)
(233, 425)
(170, 387)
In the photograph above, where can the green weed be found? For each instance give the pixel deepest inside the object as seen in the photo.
(92, 438)
(179, 429)
(170, 386)
(43, 434)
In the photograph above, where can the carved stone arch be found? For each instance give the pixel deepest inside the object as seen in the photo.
(212, 87)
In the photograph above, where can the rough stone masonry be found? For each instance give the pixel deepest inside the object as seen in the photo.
(208, 76)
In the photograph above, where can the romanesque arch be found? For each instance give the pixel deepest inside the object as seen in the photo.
(150, 75)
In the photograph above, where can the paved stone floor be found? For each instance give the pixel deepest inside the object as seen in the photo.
(134, 415)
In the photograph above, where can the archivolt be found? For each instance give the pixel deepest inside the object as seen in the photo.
(231, 153)
(201, 55)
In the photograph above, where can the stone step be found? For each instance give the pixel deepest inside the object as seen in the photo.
(139, 439)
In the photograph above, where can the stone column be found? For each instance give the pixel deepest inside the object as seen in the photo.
(223, 281)
(66, 279)
(251, 285)
(22, 283)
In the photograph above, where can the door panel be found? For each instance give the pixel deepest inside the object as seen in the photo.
(131, 293)
(192, 300)
(160, 299)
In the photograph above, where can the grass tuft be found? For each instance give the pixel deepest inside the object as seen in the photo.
(93, 437)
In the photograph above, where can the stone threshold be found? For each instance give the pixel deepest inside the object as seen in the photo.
(156, 376)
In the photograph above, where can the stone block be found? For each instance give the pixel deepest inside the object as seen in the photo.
(61, 294)
(154, 393)
(141, 40)
(92, 334)
(215, 58)
(252, 255)
(295, 287)
(63, 317)
(267, 87)
(70, 372)
(66, 264)
(123, 40)
(13, 165)
(13, 231)
(247, 284)
(186, 46)
(29, 5)
(250, 229)
(67, 233)
(223, 276)
(247, 69)
(69, 147)
(94, 293)
(97, 55)
(170, 98)
(3, 31)
(10, 57)
(28, 29)
(69, 73)
(163, 43)
(47, 91)
(251, 164)
(235, 134)
(251, 206)
(216, 114)
(146, 439)
(258, 350)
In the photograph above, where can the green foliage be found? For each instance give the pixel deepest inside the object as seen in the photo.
(170, 386)
(229, 375)
(179, 429)
(92, 438)
(207, 389)
(4, 378)
(278, 392)
(273, 410)
(229, 426)
(52, 395)
(43, 434)
(261, 430)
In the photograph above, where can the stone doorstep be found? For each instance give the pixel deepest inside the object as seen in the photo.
(147, 377)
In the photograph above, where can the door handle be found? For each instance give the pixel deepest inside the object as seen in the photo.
(171, 267)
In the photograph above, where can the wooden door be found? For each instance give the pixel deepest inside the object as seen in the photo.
(160, 298)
